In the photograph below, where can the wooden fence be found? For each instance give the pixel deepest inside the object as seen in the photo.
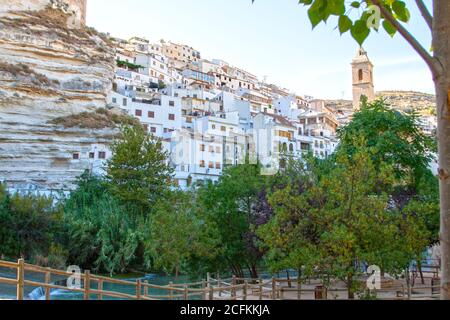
(93, 287)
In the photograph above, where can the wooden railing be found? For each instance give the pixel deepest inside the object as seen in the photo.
(210, 289)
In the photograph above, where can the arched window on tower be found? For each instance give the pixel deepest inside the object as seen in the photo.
(360, 75)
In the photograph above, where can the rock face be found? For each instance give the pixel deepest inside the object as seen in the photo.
(49, 70)
(76, 9)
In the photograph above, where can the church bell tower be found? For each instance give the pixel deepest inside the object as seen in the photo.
(362, 71)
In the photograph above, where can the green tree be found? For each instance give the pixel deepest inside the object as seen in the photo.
(398, 141)
(29, 225)
(357, 17)
(175, 235)
(100, 234)
(396, 136)
(138, 172)
(7, 237)
(233, 206)
(326, 225)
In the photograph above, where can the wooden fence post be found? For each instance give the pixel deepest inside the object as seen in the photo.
(245, 289)
(138, 289)
(208, 279)
(408, 283)
(87, 284)
(219, 284)
(211, 293)
(100, 289)
(145, 288)
(233, 289)
(299, 288)
(170, 290)
(47, 282)
(20, 278)
(274, 289)
(185, 295)
(205, 289)
(260, 289)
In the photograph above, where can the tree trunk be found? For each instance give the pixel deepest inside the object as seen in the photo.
(441, 48)
(254, 272)
(419, 266)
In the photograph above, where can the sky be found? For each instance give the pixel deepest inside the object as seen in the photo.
(271, 38)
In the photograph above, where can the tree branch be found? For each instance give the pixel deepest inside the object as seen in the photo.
(424, 54)
(425, 13)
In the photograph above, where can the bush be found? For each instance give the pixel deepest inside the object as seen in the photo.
(29, 225)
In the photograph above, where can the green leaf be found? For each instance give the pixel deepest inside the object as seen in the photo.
(318, 12)
(360, 31)
(336, 7)
(400, 10)
(356, 4)
(345, 24)
(390, 29)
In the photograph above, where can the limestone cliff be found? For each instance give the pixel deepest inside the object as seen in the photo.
(50, 71)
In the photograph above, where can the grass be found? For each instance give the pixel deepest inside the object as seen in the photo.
(99, 119)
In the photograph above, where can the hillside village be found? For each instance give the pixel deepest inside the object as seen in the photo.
(208, 112)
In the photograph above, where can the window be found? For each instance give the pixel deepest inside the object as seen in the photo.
(138, 113)
(102, 155)
(218, 149)
(211, 165)
(223, 128)
(171, 103)
(124, 102)
(151, 114)
(213, 127)
(114, 100)
(76, 156)
(202, 163)
(211, 149)
(171, 117)
(91, 155)
(153, 129)
(202, 147)
(360, 75)
(218, 166)
(146, 127)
